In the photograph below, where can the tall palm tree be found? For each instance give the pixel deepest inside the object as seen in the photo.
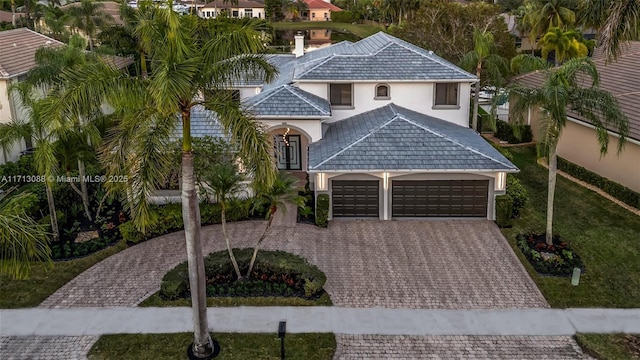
(39, 128)
(488, 66)
(572, 85)
(274, 197)
(618, 21)
(564, 44)
(89, 17)
(225, 182)
(192, 61)
(22, 240)
(547, 14)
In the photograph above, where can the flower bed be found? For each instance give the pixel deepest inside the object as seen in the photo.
(557, 259)
(275, 273)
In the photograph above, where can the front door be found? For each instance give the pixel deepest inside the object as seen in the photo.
(288, 152)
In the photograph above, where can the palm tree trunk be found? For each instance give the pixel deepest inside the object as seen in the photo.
(553, 169)
(143, 64)
(52, 212)
(13, 13)
(84, 191)
(202, 344)
(257, 247)
(476, 98)
(226, 239)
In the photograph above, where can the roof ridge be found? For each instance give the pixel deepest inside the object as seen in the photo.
(320, 63)
(358, 141)
(401, 116)
(289, 88)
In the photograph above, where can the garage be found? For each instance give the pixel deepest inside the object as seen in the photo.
(355, 198)
(440, 198)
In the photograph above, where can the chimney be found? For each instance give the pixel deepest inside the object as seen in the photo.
(299, 44)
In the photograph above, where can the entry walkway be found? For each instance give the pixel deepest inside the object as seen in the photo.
(338, 320)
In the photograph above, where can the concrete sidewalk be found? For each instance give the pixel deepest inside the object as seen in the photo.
(339, 320)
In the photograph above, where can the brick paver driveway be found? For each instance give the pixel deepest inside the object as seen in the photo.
(409, 264)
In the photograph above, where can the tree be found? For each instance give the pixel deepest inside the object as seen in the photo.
(22, 240)
(618, 21)
(447, 28)
(273, 10)
(225, 182)
(39, 129)
(548, 14)
(565, 44)
(273, 198)
(88, 17)
(572, 85)
(296, 8)
(193, 60)
(487, 65)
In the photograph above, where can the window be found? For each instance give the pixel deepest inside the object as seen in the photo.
(248, 13)
(235, 13)
(382, 92)
(340, 94)
(313, 15)
(326, 15)
(446, 94)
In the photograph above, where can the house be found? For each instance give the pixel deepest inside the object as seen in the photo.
(17, 56)
(7, 16)
(241, 9)
(383, 138)
(320, 10)
(578, 143)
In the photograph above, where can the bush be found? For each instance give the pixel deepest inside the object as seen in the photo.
(518, 194)
(504, 210)
(612, 188)
(275, 273)
(344, 16)
(322, 210)
(563, 261)
(513, 134)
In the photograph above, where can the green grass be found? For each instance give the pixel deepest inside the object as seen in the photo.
(45, 280)
(233, 346)
(362, 30)
(324, 300)
(606, 346)
(602, 233)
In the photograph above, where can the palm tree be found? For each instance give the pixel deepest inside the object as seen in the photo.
(274, 198)
(483, 57)
(618, 21)
(547, 14)
(193, 60)
(22, 240)
(564, 44)
(38, 128)
(88, 17)
(572, 85)
(225, 182)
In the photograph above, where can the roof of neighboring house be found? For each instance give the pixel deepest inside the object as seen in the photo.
(227, 5)
(392, 138)
(18, 49)
(110, 7)
(203, 123)
(6, 16)
(621, 78)
(321, 4)
(288, 101)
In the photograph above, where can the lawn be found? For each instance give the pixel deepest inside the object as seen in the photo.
(233, 346)
(362, 30)
(45, 280)
(602, 233)
(610, 346)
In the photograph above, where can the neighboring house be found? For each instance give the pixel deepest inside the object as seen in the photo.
(579, 143)
(7, 16)
(384, 138)
(320, 10)
(17, 56)
(244, 8)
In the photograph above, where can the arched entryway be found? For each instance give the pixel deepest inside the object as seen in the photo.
(290, 148)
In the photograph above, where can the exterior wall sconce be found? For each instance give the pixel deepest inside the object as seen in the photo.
(321, 182)
(501, 181)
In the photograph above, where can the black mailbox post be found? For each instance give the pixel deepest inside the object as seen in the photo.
(282, 329)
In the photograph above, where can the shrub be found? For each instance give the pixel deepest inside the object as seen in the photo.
(513, 134)
(563, 261)
(322, 210)
(612, 188)
(504, 209)
(344, 16)
(518, 194)
(276, 273)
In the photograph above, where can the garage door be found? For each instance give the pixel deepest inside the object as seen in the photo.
(355, 198)
(440, 198)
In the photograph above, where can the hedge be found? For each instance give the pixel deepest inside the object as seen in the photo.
(508, 132)
(277, 270)
(518, 193)
(322, 210)
(612, 188)
(344, 16)
(504, 209)
(170, 219)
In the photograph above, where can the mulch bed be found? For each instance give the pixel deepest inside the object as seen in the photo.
(556, 260)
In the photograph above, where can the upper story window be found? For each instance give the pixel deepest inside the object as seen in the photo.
(446, 94)
(341, 94)
(382, 92)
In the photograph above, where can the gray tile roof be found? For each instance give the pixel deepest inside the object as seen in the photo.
(203, 123)
(288, 101)
(393, 138)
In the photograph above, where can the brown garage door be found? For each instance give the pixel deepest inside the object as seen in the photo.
(440, 198)
(355, 198)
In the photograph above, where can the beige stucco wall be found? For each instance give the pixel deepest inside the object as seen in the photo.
(579, 145)
(320, 14)
(7, 114)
